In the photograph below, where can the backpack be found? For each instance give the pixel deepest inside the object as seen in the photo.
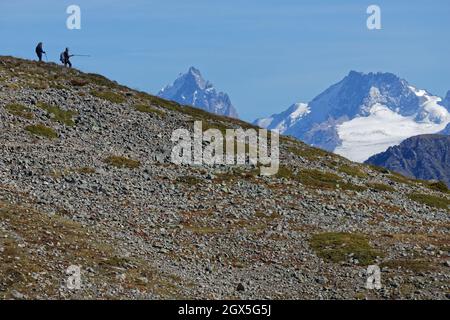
(62, 58)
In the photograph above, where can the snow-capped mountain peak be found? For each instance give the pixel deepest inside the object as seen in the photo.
(191, 88)
(431, 107)
(364, 114)
(281, 122)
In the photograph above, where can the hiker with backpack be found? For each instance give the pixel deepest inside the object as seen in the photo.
(40, 51)
(65, 58)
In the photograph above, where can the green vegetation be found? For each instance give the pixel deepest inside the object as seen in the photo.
(380, 187)
(286, 173)
(339, 247)
(325, 180)
(352, 187)
(71, 241)
(379, 169)
(57, 86)
(86, 170)
(438, 186)
(116, 262)
(318, 179)
(309, 153)
(190, 180)
(76, 82)
(148, 109)
(430, 200)
(109, 96)
(100, 80)
(412, 265)
(19, 111)
(352, 171)
(201, 229)
(42, 131)
(399, 178)
(236, 173)
(156, 101)
(122, 162)
(38, 85)
(58, 114)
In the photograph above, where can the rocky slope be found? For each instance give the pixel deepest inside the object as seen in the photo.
(85, 180)
(424, 157)
(360, 116)
(191, 89)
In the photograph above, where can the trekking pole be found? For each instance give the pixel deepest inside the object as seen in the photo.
(46, 58)
(81, 55)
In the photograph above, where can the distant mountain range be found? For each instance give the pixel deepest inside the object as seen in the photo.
(362, 115)
(424, 157)
(192, 89)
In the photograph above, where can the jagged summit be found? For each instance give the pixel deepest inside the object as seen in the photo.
(361, 115)
(192, 89)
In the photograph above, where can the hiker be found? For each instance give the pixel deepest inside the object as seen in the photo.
(39, 51)
(65, 58)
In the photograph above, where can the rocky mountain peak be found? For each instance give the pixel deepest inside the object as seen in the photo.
(191, 88)
(359, 116)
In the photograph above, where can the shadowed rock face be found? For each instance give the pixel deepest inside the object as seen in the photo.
(446, 101)
(424, 157)
(191, 89)
(446, 131)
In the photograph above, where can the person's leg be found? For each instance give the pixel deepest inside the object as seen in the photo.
(40, 57)
(70, 64)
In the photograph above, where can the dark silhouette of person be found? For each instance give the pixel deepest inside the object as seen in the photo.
(39, 51)
(65, 58)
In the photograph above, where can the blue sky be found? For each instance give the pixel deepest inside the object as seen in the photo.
(265, 54)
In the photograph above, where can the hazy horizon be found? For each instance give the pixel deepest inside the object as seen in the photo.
(266, 55)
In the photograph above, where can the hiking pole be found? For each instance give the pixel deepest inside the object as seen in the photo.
(81, 55)
(46, 58)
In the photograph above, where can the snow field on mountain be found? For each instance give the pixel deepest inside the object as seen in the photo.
(363, 137)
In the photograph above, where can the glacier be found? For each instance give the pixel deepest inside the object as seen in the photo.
(362, 115)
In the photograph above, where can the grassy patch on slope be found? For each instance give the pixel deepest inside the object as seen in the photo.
(339, 247)
(430, 200)
(42, 131)
(19, 111)
(148, 109)
(122, 162)
(58, 114)
(110, 96)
